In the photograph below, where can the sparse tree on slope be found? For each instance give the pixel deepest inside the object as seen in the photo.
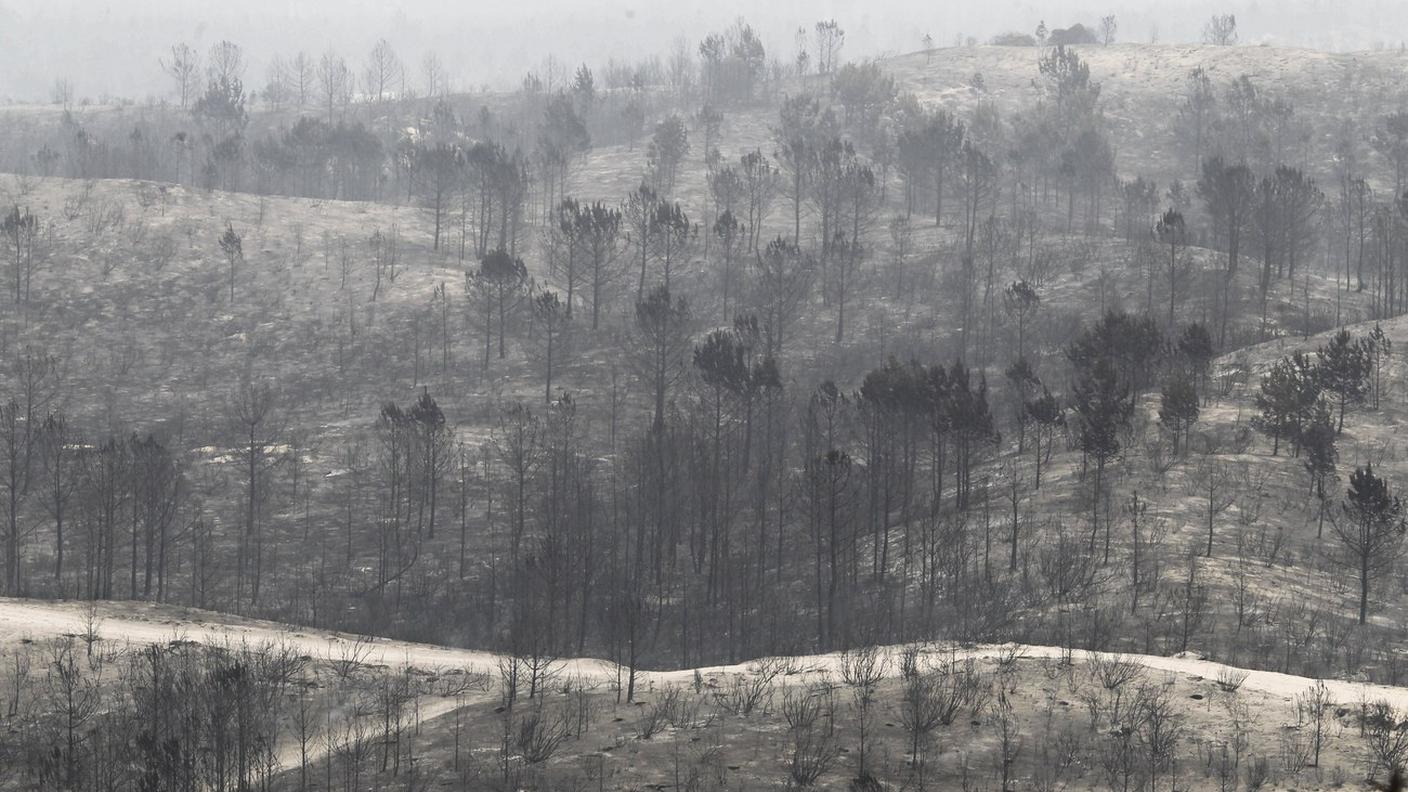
(60, 451)
(1288, 398)
(438, 170)
(663, 339)
(783, 276)
(669, 147)
(830, 38)
(1172, 230)
(1228, 192)
(1390, 140)
(599, 232)
(943, 136)
(182, 68)
(639, 215)
(233, 248)
(1221, 30)
(562, 138)
(552, 319)
(674, 239)
(1320, 459)
(14, 483)
(1108, 27)
(21, 232)
(1103, 408)
(1370, 529)
(1178, 406)
(1046, 415)
(760, 184)
(383, 72)
(1379, 347)
(505, 276)
(802, 128)
(1344, 368)
(334, 82)
(1021, 300)
(732, 237)
(252, 410)
(1197, 113)
(858, 192)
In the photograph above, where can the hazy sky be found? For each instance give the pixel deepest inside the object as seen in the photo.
(111, 47)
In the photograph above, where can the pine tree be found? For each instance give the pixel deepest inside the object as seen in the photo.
(233, 248)
(1046, 414)
(1372, 531)
(1378, 346)
(1320, 459)
(1344, 369)
(1289, 393)
(970, 421)
(662, 341)
(552, 318)
(501, 278)
(1227, 190)
(1178, 406)
(1172, 228)
(1103, 408)
(1130, 344)
(1195, 347)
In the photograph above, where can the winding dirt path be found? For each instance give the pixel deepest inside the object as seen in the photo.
(144, 623)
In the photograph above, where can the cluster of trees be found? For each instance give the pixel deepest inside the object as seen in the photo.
(317, 159)
(526, 151)
(732, 63)
(1301, 394)
(123, 516)
(350, 127)
(480, 189)
(1303, 400)
(85, 713)
(1261, 195)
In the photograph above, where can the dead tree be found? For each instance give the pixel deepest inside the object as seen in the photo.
(182, 67)
(252, 412)
(60, 447)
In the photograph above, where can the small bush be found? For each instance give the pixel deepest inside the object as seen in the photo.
(1230, 679)
(540, 733)
(1013, 39)
(742, 693)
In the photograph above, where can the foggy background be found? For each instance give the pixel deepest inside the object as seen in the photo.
(111, 49)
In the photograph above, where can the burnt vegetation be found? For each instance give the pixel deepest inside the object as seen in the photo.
(741, 353)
